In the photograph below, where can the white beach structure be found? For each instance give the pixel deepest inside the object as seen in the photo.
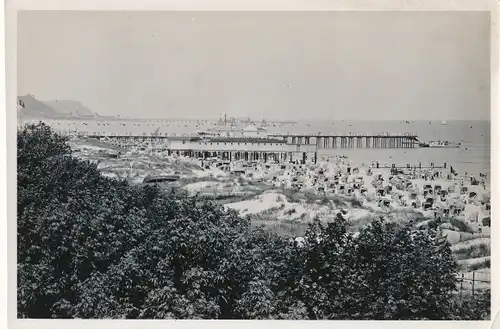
(252, 131)
(240, 148)
(249, 131)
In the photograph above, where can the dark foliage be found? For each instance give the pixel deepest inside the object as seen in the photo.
(474, 307)
(94, 247)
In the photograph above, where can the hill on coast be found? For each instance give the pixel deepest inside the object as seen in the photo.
(54, 109)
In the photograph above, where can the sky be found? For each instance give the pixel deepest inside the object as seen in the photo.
(266, 65)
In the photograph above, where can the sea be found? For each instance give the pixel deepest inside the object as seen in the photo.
(473, 157)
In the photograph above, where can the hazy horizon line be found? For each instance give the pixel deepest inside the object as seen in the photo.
(104, 118)
(229, 116)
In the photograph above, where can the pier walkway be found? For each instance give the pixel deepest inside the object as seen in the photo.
(321, 141)
(351, 140)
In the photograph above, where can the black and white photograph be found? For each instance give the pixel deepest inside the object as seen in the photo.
(253, 165)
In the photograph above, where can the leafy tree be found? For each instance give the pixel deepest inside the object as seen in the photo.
(383, 273)
(477, 307)
(95, 247)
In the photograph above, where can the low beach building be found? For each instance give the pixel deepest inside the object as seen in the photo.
(243, 148)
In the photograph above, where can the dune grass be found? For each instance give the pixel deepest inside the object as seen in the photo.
(283, 228)
(465, 236)
(462, 226)
(360, 222)
(473, 251)
(477, 266)
(337, 201)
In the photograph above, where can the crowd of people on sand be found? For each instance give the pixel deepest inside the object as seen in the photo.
(435, 191)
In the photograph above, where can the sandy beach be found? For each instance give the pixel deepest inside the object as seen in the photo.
(297, 193)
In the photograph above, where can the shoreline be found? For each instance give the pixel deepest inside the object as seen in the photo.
(286, 197)
(377, 189)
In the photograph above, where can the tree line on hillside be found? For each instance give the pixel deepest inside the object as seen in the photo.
(95, 247)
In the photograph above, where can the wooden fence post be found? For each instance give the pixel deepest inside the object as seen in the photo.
(473, 279)
(461, 288)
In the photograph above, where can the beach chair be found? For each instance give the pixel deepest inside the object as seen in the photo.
(486, 221)
(446, 211)
(473, 217)
(386, 202)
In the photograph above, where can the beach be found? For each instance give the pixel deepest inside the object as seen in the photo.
(472, 157)
(359, 184)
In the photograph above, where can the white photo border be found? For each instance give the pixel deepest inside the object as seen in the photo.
(8, 149)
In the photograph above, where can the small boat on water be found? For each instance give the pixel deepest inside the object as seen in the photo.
(443, 122)
(445, 144)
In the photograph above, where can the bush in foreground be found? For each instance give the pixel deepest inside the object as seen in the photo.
(95, 247)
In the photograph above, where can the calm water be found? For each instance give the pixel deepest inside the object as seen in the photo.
(472, 157)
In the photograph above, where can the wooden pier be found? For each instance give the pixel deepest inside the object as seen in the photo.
(408, 166)
(320, 141)
(351, 140)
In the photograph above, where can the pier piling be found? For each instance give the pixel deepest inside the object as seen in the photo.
(358, 140)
